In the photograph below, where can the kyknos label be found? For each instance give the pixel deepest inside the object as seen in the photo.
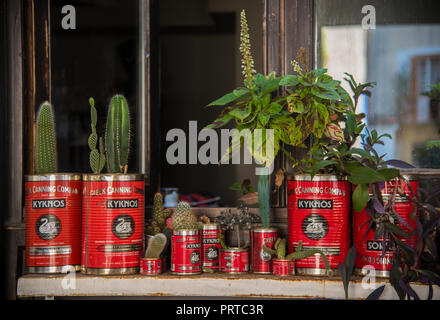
(315, 204)
(49, 204)
(122, 203)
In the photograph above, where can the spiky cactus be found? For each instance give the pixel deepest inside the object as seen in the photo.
(156, 246)
(183, 217)
(264, 199)
(97, 158)
(117, 135)
(46, 144)
(160, 215)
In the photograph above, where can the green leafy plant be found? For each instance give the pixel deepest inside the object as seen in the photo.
(97, 158)
(245, 187)
(46, 157)
(268, 119)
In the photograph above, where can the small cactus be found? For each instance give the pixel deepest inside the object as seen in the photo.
(183, 217)
(160, 215)
(156, 246)
(97, 158)
(117, 135)
(46, 145)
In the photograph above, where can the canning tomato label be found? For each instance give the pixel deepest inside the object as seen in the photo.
(315, 226)
(123, 226)
(48, 226)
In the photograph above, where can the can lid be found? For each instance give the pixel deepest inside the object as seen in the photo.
(264, 230)
(234, 249)
(150, 259)
(186, 232)
(317, 177)
(211, 226)
(53, 177)
(114, 177)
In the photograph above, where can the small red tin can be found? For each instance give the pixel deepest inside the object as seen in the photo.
(261, 261)
(186, 252)
(281, 267)
(234, 260)
(211, 246)
(113, 223)
(319, 216)
(53, 222)
(151, 266)
(369, 249)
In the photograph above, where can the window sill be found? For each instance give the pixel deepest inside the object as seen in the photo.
(206, 285)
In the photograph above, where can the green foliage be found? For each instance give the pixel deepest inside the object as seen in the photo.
(346, 268)
(45, 148)
(97, 158)
(117, 135)
(434, 93)
(245, 187)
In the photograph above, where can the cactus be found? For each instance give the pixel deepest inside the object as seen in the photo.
(280, 251)
(117, 135)
(160, 215)
(97, 158)
(156, 246)
(46, 145)
(183, 217)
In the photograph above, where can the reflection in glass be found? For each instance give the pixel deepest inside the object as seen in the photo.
(401, 54)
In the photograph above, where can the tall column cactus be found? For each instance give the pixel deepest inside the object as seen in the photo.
(46, 144)
(117, 135)
(97, 158)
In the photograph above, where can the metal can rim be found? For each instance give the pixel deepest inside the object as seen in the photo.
(211, 226)
(317, 177)
(61, 176)
(264, 230)
(186, 232)
(234, 249)
(114, 177)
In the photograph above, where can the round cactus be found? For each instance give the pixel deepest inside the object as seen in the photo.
(183, 217)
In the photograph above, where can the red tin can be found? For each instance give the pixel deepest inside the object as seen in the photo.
(319, 216)
(211, 246)
(369, 249)
(261, 261)
(113, 223)
(234, 260)
(186, 252)
(53, 222)
(281, 267)
(151, 266)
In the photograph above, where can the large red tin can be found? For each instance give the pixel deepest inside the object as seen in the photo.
(369, 249)
(113, 223)
(186, 252)
(53, 222)
(234, 260)
(211, 246)
(319, 216)
(261, 261)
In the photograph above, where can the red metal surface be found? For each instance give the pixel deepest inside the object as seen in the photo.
(113, 225)
(261, 261)
(186, 252)
(53, 224)
(234, 260)
(318, 215)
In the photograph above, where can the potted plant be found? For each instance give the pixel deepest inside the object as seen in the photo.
(185, 241)
(113, 203)
(237, 225)
(53, 205)
(319, 195)
(283, 265)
